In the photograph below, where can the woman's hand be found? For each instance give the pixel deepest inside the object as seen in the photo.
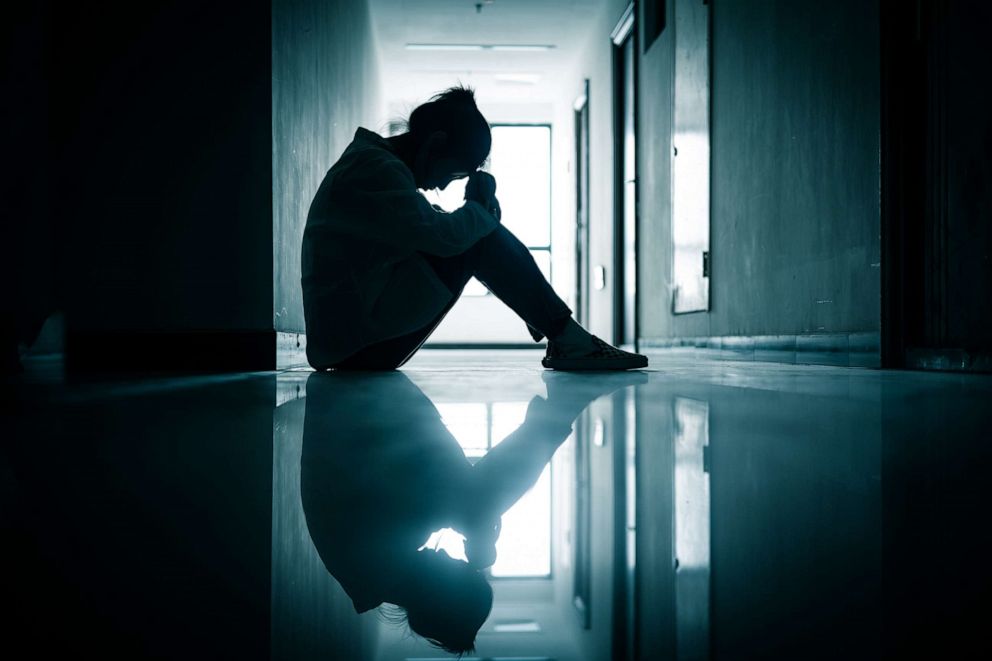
(481, 188)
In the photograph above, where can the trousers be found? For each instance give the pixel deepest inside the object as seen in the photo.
(505, 266)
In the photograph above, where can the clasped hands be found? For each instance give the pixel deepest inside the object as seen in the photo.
(481, 188)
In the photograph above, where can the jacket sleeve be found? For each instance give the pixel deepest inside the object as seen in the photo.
(380, 201)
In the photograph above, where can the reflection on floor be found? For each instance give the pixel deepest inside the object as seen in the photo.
(693, 510)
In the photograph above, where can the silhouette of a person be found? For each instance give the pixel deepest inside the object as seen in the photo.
(381, 266)
(380, 472)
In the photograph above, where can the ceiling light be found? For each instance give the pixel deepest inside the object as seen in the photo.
(478, 47)
(519, 78)
(523, 626)
(522, 47)
(444, 47)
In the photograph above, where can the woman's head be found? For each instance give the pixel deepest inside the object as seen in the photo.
(452, 602)
(451, 138)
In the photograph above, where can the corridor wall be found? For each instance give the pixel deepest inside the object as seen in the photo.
(794, 174)
(188, 139)
(325, 83)
(161, 119)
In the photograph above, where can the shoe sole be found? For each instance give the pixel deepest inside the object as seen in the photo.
(594, 364)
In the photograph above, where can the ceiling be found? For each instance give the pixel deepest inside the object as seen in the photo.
(499, 77)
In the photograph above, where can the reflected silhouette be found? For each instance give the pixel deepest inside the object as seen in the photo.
(380, 472)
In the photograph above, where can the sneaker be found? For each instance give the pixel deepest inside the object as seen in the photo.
(603, 357)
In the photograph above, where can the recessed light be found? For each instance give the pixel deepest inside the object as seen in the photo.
(444, 47)
(478, 47)
(522, 47)
(525, 626)
(518, 78)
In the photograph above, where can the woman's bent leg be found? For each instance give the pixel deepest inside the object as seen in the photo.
(386, 355)
(504, 265)
(395, 352)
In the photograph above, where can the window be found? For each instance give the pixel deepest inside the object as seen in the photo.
(523, 549)
(520, 161)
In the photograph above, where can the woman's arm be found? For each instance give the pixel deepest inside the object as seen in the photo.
(379, 200)
(481, 188)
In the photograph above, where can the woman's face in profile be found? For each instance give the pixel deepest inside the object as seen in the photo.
(437, 170)
(442, 171)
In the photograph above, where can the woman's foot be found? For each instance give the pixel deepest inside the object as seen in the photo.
(576, 349)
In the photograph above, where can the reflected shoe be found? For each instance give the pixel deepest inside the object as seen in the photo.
(602, 357)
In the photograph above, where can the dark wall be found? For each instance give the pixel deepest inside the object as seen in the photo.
(27, 260)
(138, 522)
(960, 177)
(795, 172)
(162, 117)
(141, 176)
(325, 84)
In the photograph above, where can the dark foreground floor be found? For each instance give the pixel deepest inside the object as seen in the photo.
(727, 510)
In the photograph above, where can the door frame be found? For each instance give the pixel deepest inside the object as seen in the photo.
(623, 259)
(582, 261)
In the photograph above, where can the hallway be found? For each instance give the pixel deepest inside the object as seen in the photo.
(699, 509)
(787, 206)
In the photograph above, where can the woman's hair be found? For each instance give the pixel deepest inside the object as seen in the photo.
(454, 112)
(450, 615)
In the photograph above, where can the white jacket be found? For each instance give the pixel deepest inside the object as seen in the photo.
(364, 277)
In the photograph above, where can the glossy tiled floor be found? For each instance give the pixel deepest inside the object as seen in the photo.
(693, 510)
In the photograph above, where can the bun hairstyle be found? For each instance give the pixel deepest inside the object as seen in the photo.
(454, 112)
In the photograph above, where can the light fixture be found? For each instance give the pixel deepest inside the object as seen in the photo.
(482, 47)
(518, 78)
(444, 47)
(520, 626)
(522, 47)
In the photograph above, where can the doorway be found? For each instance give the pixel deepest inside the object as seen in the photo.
(625, 187)
(936, 163)
(581, 107)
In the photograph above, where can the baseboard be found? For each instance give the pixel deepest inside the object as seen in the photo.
(948, 360)
(291, 350)
(842, 349)
(170, 351)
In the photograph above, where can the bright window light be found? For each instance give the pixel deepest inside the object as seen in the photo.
(524, 545)
(520, 161)
(468, 423)
(527, 48)
(449, 541)
(543, 259)
(507, 416)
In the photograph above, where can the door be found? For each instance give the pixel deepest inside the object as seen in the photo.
(691, 160)
(581, 107)
(625, 215)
